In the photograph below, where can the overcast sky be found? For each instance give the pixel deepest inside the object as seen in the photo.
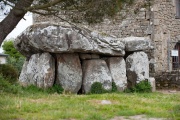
(23, 24)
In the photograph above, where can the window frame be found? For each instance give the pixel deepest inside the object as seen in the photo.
(177, 2)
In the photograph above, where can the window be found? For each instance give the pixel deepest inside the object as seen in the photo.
(177, 8)
(176, 58)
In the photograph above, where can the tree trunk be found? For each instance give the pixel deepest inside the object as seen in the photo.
(13, 18)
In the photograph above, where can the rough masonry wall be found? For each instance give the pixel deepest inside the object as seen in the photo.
(131, 21)
(166, 32)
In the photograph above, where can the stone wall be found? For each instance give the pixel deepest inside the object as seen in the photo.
(168, 80)
(131, 21)
(166, 32)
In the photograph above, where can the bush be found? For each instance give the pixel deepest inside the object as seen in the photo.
(114, 87)
(5, 86)
(16, 63)
(34, 89)
(9, 72)
(142, 87)
(15, 58)
(55, 89)
(97, 88)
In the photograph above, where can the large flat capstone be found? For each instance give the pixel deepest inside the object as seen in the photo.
(137, 43)
(66, 39)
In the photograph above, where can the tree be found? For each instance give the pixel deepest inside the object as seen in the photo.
(92, 10)
(15, 58)
(9, 49)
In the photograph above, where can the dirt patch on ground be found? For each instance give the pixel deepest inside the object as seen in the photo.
(40, 101)
(102, 102)
(169, 91)
(136, 117)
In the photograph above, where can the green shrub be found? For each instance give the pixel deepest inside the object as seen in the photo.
(55, 89)
(34, 89)
(9, 72)
(6, 86)
(17, 63)
(97, 88)
(141, 87)
(114, 87)
(15, 58)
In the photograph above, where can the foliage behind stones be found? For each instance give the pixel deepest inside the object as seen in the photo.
(9, 72)
(15, 58)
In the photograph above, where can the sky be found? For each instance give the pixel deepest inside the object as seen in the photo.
(22, 25)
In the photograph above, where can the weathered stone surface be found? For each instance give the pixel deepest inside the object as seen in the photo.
(153, 83)
(137, 67)
(46, 71)
(137, 43)
(59, 39)
(23, 80)
(117, 67)
(96, 71)
(39, 71)
(95, 56)
(69, 72)
(84, 56)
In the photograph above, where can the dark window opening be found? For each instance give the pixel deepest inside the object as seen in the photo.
(177, 8)
(176, 59)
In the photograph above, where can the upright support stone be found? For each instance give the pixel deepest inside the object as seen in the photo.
(96, 71)
(69, 72)
(23, 80)
(39, 71)
(46, 71)
(137, 66)
(117, 67)
(153, 83)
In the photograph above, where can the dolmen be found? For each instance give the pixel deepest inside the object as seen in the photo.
(76, 57)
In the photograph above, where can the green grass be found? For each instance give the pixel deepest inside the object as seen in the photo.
(43, 106)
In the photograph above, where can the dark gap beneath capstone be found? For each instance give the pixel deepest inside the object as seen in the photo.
(55, 60)
(81, 90)
(127, 54)
(129, 83)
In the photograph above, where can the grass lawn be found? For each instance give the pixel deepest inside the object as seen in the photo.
(44, 106)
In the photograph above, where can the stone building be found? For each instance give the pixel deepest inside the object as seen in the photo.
(3, 58)
(157, 19)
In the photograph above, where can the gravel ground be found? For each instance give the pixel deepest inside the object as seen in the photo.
(136, 117)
